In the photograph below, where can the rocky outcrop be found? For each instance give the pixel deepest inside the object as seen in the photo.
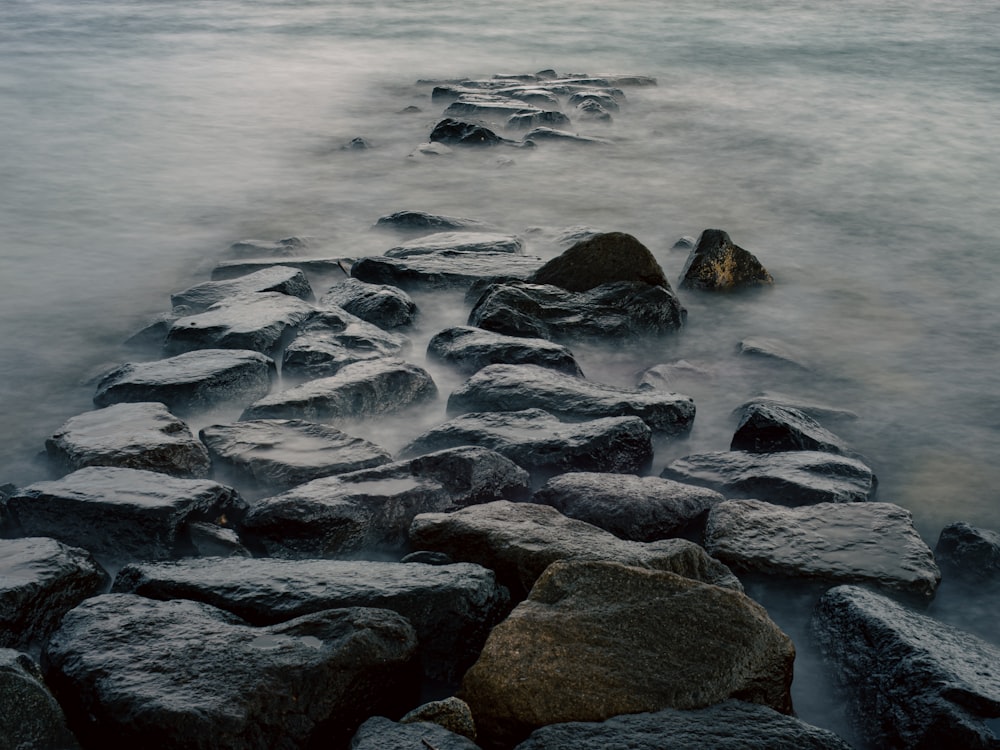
(281, 279)
(969, 553)
(717, 264)
(30, 717)
(380, 733)
(470, 349)
(334, 338)
(443, 269)
(379, 304)
(770, 427)
(602, 259)
(458, 242)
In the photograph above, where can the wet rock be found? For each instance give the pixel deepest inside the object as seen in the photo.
(535, 119)
(730, 725)
(124, 513)
(423, 221)
(669, 375)
(787, 478)
(289, 246)
(770, 427)
(487, 106)
(537, 440)
(562, 136)
(133, 672)
(281, 279)
(451, 607)
(427, 558)
(642, 509)
(451, 713)
(359, 390)
(968, 552)
(379, 304)
(153, 334)
(776, 352)
(605, 99)
(683, 243)
(520, 540)
(602, 259)
(458, 242)
(430, 150)
(832, 543)
(539, 97)
(574, 235)
(455, 132)
(818, 411)
(910, 680)
(357, 144)
(591, 111)
(443, 269)
(716, 264)
(211, 540)
(189, 382)
(40, 581)
(283, 453)
(30, 717)
(598, 639)
(313, 267)
(380, 733)
(470, 349)
(518, 387)
(133, 436)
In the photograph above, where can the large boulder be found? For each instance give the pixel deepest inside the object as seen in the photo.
(910, 680)
(447, 268)
(134, 672)
(379, 304)
(334, 338)
(30, 717)
(598, 639)
(717, 264)
(602, 259)
(282, 279)
(517, 387)
(421, 221)
(969, 553)
(380, 733)
(832, 543)
(470, 349)
(458, 242)
(132, 436)
(770, 427)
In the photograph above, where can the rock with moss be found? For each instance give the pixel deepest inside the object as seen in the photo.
(717, 264)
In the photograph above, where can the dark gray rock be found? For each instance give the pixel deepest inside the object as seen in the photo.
(443, 269)
(671, 376)
(592, 111)
(968, 552)
(717, 264)
(334, 338)
(642, 509)
(910, 680)
(730, 725)
(550, 135)
(379, 304)
(770, 427)
(787, 478)
(134, 672)
(190, 382)
(819, 411)
(487, 106)
(602, 259)
(536, 96)
(124, 513)
(456, 132)
(605, 99)
(281, 279)
(451, 713)
(152, 335)
(427, 557)
(832, 543)
(536, 119)
(313, 267)
(458, 242)
(425, 222)
(357, 144)
(283, 453)
(287, 247)
(210, 540)
(470, 349)
(380, 733)
(517, 387)
(30, 717)
(132, 436)
(776, 352)
(40, 581)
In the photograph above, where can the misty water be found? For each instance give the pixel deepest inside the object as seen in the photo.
(851, 146)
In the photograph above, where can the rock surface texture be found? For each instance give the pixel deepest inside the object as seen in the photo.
(470, 349)
(970, 553)
(30, 717)
(443, 269)
(602, 259)
(380, 733)
(380, 304)
(282, 279)
(717, 264)
(769, 427)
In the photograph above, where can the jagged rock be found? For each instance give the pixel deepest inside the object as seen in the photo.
(192, 381)
(775, 351)
(30, 717)
(283, 453)
(598, 639)
(359, 390)
(517, 387)
(315, 268)
(470, 349)
(642, 509)
(716, 264)
(770, 427)
(380, 733)
(123, 513)
(451, 607)
(458, 242)
(281, 279)
(379, 304)
(910, 680)
(422, 221)
(289, 246)
(787, 478)
(818, 411)
(520, 540)
(334, 338)
(537, 440)
(134, 672)
(41, 580)
(832, 543)
(461, 133)
(133, 436)
(968, 552)
(443, 269)
(730, 725)
(601, 259)
(451, 713)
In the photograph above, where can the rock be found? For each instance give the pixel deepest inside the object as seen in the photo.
(520, 540)
(458, 242)
(818, 411)
(537, 440)
(832, 543)
(190, 382)
(618, 310)
(470, 349)
(968, 552)
(601, 259)
(487, 106)
(770, 427)
(535, 119)
(451, 607)
(910, 680)
(124, 513)
(730, 725)
(427, 558)
(210, 540)
(562, 136)
(517, 387)
(642, 509)
(787, 478)
(380, 304)
(133, 436)
(289, 246)
(591, 111)
(776, 352)
(258, 322)
(598, 639)
(153, 334)
(605, 99)
(457, 132)
(283, 453)
(380, 733)
(431, 151)
(281, 279)
(422, 221)
(133, 672)
(669, 375)
(451, 713)
(443, 269)
(30, 717)
(40, 581)
(314, 267)
(716, 264)
(683, 243)
(357, 144)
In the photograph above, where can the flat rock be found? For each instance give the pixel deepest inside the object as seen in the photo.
(425, 222)
(133, 436)
(286, 247)
(548, 134)
(598, 639)
(517, 387)
(821, 412)
(786, 478)
(283, 453)
(969, 552)
(379, 304)
(602, 259)
(190, 382)
(281, 279)
(717, 264)
(451, 607)
(359, 390)
(134, 672)
(313, 267)
(124, 513)
(832, 543)
(40, 581)
(535, 439)
(910, 680)
(458, 242)
(470, 349)
(30, 717)
(520, 540)
(380, 733)
(770, 427)
(775, 351)
(642, 509)
(443, 269)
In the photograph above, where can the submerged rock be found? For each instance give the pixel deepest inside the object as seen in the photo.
(562, 136)
(716, 264)
(775, 351)
(30, 717)
(968, 552)
(380, 304)
(602, 259)
(380, 733)
(423, 221)
(770, 427)
(282, 279)
(289, 246)
(443, 269)
(470, 349)
(458, 242)
(455, 132)
(819, 411)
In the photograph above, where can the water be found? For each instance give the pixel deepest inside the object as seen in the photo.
(852, 146)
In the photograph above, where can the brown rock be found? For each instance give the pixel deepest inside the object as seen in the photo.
(716, 264)
(613, 256)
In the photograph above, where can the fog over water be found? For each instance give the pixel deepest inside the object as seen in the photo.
(851, 146)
